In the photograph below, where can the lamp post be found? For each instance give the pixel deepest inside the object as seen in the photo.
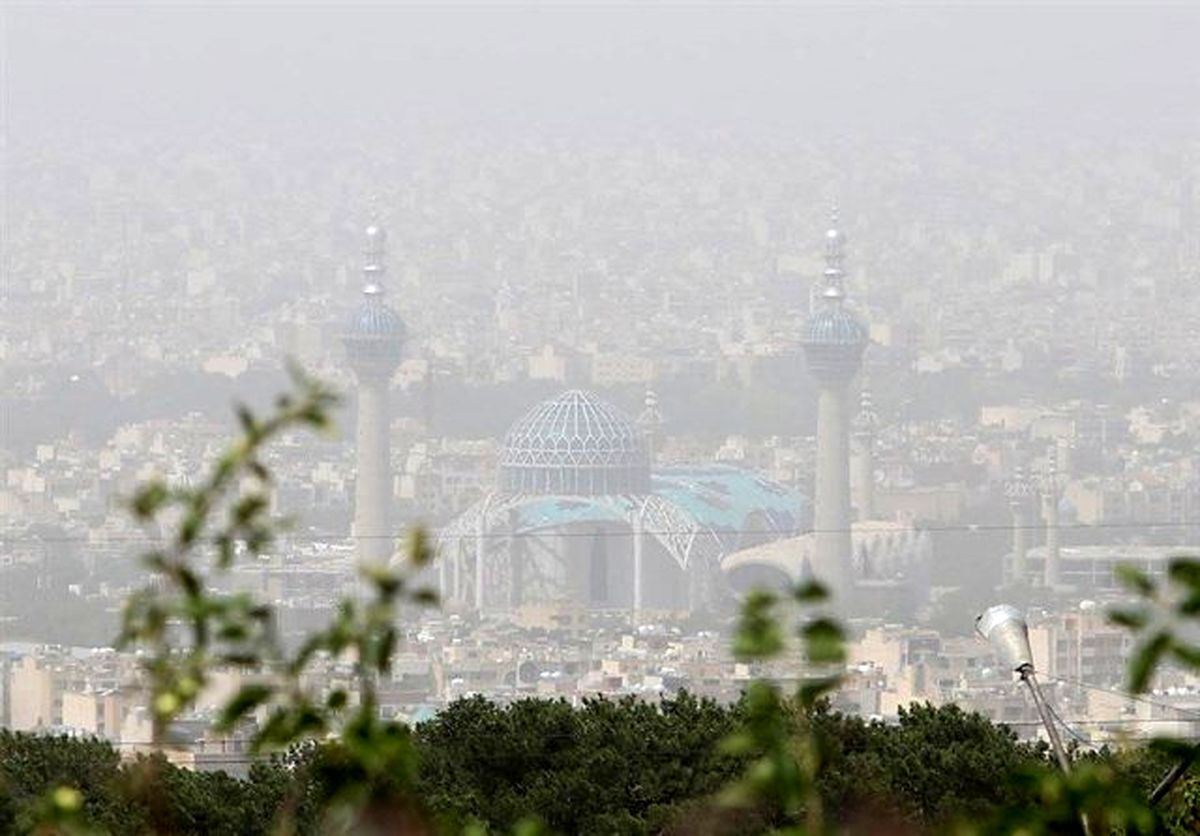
(1004, 628)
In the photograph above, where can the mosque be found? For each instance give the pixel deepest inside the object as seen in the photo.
(582, 517)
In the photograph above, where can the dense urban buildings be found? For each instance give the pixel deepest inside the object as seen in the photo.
(624, 370)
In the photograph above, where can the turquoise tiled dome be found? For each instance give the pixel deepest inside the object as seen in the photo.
(374, 333)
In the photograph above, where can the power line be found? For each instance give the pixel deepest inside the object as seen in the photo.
(1116, 721)
(867, 528)
(1193, 714)
(1063, 723)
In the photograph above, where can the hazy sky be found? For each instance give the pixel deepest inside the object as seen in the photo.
(871, 68)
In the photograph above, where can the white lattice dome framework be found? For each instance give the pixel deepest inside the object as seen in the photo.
(575, 444)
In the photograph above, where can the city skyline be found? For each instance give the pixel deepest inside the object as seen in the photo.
(638, 319)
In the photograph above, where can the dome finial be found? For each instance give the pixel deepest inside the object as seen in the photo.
(650, 419)
(374, 254)
(834, 273)
(867, 420)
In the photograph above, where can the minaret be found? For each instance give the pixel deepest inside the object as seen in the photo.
(428, 393)
(1052, 577)
(834, 340)
(1018, 489)
(865, 425)
(374, 338)
(650, 422)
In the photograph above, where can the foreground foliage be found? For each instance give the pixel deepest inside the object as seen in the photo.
(778, 761)
(188, 626)
(606, 767)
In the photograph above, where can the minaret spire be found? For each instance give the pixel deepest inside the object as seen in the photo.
(835, 255)
(834, 340)
(374, 259)
(374, 339)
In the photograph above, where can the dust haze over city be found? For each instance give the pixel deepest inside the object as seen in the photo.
(633, 311)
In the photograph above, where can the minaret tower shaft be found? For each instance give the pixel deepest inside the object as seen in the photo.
(834, 341)
(650, 422)
(374, 339)
(866, 424)
(1019, 490)
(1058, 456)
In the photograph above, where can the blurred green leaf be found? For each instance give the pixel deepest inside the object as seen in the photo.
(248, 698)
(1133, 619)
(1185, 571)
(1135, 579)
(425, 597)
(1188, 655)
(1146, 659)
(758, 635)
(811, 592)
(245, 418)
(815, 689)
(147, 501)
(249, 507)
(824, 641)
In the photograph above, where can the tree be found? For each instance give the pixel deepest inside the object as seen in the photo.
(607, 766)
(31, 766)
(936, 765)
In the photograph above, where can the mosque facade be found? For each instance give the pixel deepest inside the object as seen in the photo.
(581, 516)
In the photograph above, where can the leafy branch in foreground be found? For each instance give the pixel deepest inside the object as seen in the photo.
(778, 731)
(59, 813)
(190, 629)
(1107, 800)
(1156, 617)
(1159, 619)
(185, 626)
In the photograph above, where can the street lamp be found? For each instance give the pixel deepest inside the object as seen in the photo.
(1004, 628)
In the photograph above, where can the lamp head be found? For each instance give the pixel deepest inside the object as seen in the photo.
(1004, 628)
